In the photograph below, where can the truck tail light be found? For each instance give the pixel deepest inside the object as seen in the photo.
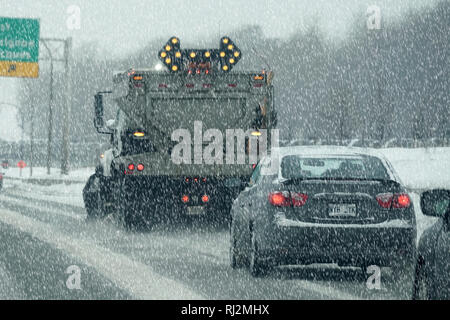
(131, 167)
(140, 167)
(205, 198)
(185, 198)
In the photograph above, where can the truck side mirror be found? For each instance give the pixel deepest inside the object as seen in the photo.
(98, 109)
(99, 122)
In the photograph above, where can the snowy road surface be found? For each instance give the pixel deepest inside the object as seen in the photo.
(43, 232)
(42, 235)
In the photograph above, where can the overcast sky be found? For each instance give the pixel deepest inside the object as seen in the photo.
(121, 26)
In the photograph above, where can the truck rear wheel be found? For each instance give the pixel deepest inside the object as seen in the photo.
(130, 208)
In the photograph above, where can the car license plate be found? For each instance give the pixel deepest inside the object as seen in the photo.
(342, 210)
(195, 210)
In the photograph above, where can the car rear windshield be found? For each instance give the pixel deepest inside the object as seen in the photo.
(338, 167)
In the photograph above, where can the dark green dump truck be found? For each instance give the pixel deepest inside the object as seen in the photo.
(185, 139)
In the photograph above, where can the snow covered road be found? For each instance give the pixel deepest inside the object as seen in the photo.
(169, 262)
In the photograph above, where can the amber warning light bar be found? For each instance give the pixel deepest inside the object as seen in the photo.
(200, 61)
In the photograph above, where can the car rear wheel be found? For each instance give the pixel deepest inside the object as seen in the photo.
(236, 259)
(403, 275)
(420, 290)
(258, 266)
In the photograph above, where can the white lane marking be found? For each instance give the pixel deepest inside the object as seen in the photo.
(136, 278)
(325, 290)
(36, 207)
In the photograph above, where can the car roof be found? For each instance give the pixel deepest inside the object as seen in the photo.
(328, 151)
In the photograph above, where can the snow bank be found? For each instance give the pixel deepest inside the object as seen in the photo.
(421, 168)
(77, 175)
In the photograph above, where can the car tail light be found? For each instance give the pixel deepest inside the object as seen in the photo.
(384, 200)
(140, 167)
(298, 199)
(280, 199)
(185, 199)
(401, 201)
(205, 198)
(131, 167)
(393, 200)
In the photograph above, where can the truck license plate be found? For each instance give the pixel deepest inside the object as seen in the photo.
(342, 210)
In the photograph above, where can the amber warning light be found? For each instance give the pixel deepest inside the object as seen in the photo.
(199, 61)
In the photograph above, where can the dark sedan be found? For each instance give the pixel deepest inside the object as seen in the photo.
(308, 205)
(432, 279)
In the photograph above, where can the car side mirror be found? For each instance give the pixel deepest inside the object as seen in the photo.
(435, 203)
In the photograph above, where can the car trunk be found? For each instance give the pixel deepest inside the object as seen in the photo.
(341, 201)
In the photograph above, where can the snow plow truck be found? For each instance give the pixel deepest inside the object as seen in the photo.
(184, 138)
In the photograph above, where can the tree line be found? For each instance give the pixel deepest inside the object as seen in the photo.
(374, 84)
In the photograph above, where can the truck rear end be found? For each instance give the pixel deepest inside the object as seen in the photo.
(187, 133)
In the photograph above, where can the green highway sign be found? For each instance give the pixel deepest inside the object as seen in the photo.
(19, 47)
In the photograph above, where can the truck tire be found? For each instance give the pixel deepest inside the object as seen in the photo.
(129, 209)
(93, 202)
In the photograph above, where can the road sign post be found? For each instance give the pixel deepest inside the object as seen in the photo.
(21, 164)
(19, 47)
